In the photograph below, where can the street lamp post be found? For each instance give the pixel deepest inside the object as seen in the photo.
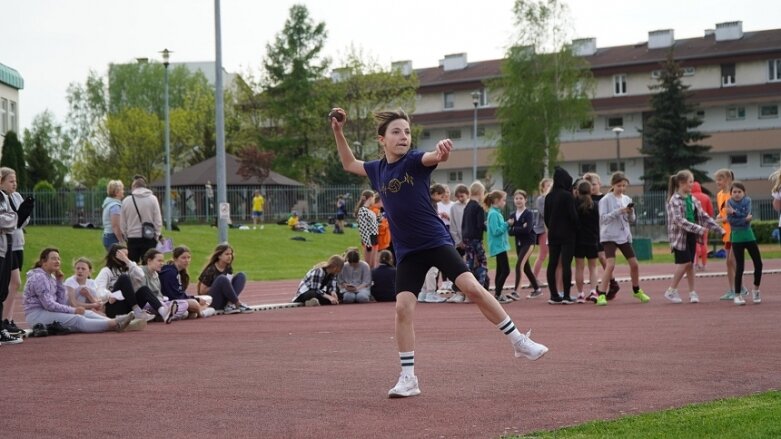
(475, 103)
(618, 131)
(168, 225)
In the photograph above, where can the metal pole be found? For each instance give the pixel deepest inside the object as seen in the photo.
(618, 152)
(222, 192)
(168, 224)
(474, 145)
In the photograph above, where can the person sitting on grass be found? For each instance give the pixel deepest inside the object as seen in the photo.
(384, 278)
(355, 279)
(319, 286)
(46, 302)
(174, 280)
(295, 223)
(217, 280)
(118, 275)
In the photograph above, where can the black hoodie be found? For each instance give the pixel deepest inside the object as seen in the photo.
(561, 216)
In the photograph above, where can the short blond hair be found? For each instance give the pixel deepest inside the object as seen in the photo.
(113, 187)
(477, 188)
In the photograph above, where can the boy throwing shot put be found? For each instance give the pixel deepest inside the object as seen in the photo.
(402, 178)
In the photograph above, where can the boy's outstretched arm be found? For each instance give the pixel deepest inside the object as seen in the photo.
(440, 154)
(349, 162)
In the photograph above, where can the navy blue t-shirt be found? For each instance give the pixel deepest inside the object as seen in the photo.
(404, 189)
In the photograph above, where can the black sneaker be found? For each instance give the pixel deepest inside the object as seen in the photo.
(56, 328)
(12, 328)
(6, 338)
(39, 330)
(555, 300)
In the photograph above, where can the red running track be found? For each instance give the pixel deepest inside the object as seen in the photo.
(324, 372)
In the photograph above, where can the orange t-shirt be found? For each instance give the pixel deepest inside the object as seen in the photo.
(383, 230)
(721, 204)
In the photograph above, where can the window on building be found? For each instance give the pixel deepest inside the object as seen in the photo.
(768, 111)
(483, 98)
(617, 121)
(588, 167)
(3, 116)
(425, 134)
(587, 125)
(728, 74)
(480, 131)
(449, 100)
(736, 113)
(615, 168)
(454, 133)
(12, 124)
(482, 174)
(619, 85)
(774, 70)
(738, 159)
(701, 113)
(770, 159)
(455, 176)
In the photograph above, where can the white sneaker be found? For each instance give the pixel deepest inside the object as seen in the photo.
(435, 298)
(738, 300)
(755, 296)
(672, 295)
(447, 285)
(693, 297)
(312, 302)
(422, 296)
(456, 298)
(406, 386)
(208, 312)
(526, 347)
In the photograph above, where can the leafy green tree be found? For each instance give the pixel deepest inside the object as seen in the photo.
(97, 109)
(13, 157)
(544, 89)
(362, 89)
(293, 105)
(47, 137)
(670, 138)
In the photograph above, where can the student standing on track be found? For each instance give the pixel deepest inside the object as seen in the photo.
(402, 177)
(686, 222)
(739, 217)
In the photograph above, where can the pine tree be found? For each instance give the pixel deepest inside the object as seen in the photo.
(669, 138)
(13, 157)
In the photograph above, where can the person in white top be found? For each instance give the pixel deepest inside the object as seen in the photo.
(82, 290)
(616, 211)
(443, 209)
(456, 220)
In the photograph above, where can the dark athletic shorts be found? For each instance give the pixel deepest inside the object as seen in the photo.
(687, 256)
(411, 272)
(626, 249)
(586, 251)
(18, 260)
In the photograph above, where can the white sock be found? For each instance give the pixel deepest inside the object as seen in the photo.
(137, 311)
(407, 363)
(162, 311)
(508, 328)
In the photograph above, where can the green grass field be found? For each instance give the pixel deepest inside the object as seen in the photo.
(753, 416)
(267, 254)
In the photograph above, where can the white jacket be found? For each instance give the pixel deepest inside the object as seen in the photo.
(613, 222)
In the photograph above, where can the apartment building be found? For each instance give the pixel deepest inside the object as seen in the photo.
(10, 84)
(735, 78)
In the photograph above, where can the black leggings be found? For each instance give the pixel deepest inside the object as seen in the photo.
(740, 262)
(6, 266)
(502, 271)
(560, 253)
(527, 268)
(312, 294)
(139, 297)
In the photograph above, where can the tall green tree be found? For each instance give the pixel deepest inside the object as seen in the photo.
(98, 106)
(670, 136)
(294, 106)
(544, 89)
(13, 157)
(47, 137)
(363, 88)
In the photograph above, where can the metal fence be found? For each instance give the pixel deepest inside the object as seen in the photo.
(194, 205)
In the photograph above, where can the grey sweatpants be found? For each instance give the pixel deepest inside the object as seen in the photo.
(89, 322)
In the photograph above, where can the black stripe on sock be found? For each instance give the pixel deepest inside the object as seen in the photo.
(509, 330)
(407, 358)
(509, 322)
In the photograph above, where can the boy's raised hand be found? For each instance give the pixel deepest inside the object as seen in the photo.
(443, 149)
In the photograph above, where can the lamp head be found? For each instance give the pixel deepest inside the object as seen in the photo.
(166, 56)
(618, 130)
(475, 97)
